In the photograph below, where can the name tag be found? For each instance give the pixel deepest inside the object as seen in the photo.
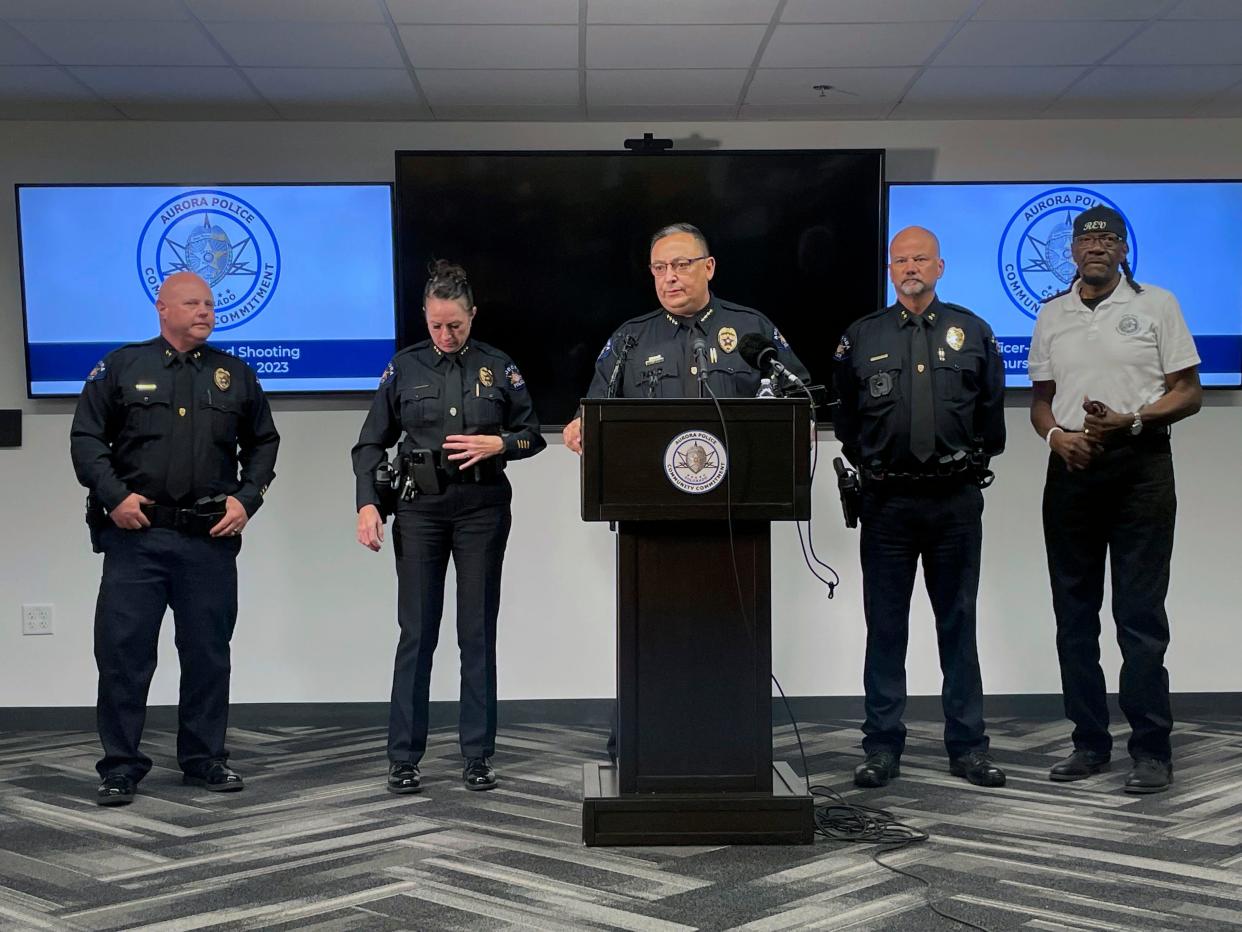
(878, 358)
(145, 386)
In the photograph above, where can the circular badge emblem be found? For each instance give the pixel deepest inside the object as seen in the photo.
(1034, 258)
(221, 237)
(1128, 325)
(695, 462)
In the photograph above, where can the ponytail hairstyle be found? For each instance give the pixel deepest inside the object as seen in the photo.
(448, 282)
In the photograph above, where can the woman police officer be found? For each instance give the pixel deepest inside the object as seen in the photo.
(466, 406)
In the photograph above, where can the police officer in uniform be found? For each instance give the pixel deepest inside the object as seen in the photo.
(160, 432)
(921, 387)
(660, 361)
(1112, 365)
(466, 404)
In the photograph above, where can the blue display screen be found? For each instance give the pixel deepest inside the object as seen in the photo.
(1006, 248)
(302, 277)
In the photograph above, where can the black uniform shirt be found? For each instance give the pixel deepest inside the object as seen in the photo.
(658, 365)
(873, 378)
(121, 439)
(411, 398)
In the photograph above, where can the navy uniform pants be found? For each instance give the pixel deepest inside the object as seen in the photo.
(941, 524)
(1123, 507)
(145, 573)
(469, 522)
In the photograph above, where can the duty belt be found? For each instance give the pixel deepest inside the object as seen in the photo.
(197, 520)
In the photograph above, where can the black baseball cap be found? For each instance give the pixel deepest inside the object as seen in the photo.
(1100, 219)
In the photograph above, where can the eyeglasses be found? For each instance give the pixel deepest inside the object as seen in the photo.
(680, 265)
(1107, 240)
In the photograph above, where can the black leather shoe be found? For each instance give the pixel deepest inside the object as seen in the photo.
(217, 777)
(877, 769)
(404, 777)
(479, 774)
(978, 768)
(1080, 765)
(116, 790)
(1149, 776)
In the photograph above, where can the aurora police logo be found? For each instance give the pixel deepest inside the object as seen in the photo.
(221, 237)
(695, 462)
(1034, 258)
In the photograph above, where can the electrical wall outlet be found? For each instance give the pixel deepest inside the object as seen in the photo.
(37, 619)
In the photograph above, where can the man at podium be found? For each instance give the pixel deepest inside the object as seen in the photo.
(657, 354)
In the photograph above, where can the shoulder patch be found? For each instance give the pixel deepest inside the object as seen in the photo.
(98, 372)
(779, 339)
(387, 374)
(514, 377)
(843, 349)
(606, 351)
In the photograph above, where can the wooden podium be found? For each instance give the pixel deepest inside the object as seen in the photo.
(694, 657)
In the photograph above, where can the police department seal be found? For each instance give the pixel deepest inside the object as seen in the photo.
(1034, 260)
(695, 462)
(217, 235)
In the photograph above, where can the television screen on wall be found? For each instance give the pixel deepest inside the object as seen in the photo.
(556, 245)
(1006, 249)
(302, 275)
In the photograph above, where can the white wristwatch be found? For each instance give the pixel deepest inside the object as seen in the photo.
(1137, 427)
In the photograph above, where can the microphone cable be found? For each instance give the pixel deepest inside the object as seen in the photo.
(836, 819)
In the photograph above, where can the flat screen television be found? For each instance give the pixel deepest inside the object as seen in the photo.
(556, 246)
(1006, 248)
(303, 276)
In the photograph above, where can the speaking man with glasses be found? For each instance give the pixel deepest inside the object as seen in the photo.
(660, 360)
(659, 346)
(1112, 365)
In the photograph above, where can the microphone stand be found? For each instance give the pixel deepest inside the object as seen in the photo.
(623, 353)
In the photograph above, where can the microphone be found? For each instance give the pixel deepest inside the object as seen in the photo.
(760, 353)
(623, 353)
(699, 348)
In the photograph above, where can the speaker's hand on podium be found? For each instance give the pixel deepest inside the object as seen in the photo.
(573, 435)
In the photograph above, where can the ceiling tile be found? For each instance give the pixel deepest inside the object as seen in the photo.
(1022, 84)
(1035, 43)
(683, 114)
(309, 45)
(114, 10)
(689, 12)
(872, 11)
(150, 93)
(483, 12)
(1184, 43)
(497, 46)
(1069, 10)
(852, 87)
(16, 49)
(49, 93)
(672, 46)
(511, 114)
(1145, 91)
(339, 93)
(683, 87)
(1206, 9)
(276, 11)
(844, 46)
(487, 88)
(108, 43)
(863, 111)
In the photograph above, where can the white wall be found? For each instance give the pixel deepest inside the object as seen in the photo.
(318, 620)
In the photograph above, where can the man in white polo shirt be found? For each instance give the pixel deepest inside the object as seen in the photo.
(1112, 365)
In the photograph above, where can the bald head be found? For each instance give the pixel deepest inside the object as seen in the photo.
(914, 265)
(187, 311)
